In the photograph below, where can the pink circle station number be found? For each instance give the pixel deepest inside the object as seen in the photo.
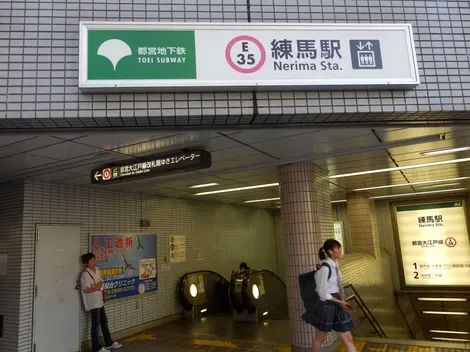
(245, 54)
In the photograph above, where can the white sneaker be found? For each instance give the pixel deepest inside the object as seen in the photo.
(114, 346)
(103, 350)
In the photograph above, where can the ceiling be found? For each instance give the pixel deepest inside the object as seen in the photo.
(244, 158)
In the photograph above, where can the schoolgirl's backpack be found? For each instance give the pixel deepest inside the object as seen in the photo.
(308, 287)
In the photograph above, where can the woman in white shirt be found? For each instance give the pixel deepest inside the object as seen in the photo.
(330, 312)
(92, 293)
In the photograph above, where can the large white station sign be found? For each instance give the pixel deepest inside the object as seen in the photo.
(208, 56)
(434, 243)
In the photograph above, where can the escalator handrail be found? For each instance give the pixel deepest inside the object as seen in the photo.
(203, 271)
(183, 277)
(269, 272)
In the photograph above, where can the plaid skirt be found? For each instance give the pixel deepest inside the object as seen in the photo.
(327, 316)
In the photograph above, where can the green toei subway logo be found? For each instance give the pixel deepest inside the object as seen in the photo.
(141, 54)
(114, 50)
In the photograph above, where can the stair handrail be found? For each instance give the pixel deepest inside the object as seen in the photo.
(367, 313)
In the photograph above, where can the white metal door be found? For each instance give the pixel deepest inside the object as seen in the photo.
(57, 300)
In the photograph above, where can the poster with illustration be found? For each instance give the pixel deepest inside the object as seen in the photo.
(128, 263)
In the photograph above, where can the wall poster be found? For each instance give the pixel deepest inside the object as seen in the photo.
(177, 248)
(128, 263)
(339, 233)
(434, 243)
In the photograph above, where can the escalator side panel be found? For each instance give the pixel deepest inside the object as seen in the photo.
(212, 291)
(271, 291)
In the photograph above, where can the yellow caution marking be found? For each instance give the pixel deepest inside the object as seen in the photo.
(284, 349)
(359, 346)
(215, 343)
(379, 349)
(414, 349)
(141, 337)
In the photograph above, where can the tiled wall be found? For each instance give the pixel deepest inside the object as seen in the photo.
(373, 280)
(363, 224)
(39, 65)
(372, 277)
(307, 222)
(11, 222)
(223, 235)
(280, 242)
(340, 213)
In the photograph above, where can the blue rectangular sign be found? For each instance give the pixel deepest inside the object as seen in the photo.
(128, 263)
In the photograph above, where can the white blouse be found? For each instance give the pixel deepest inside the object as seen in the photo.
(325, 287)
(91, 300)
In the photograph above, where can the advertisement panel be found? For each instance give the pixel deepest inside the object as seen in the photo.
(128, 263)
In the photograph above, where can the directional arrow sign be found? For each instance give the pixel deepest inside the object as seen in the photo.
(157, 165)
(360, 46)
(97, 175)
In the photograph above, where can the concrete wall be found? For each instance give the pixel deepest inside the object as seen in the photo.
(223, 235)
(387, 238)
(39, 65)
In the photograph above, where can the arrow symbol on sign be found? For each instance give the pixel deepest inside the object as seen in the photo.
(369, 45)
(360, 46)
(97, 175)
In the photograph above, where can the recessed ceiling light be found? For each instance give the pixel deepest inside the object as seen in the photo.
(441, 299)
(237, 189)
(441, 312)
(261, 200)
(205, 185)
(444, 151)
(419, 193)
(411, 184)
(441, 185)
(398, 168)
(450, 339)
(450, 332)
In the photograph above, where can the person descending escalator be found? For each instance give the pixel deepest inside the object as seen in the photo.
(243, 267)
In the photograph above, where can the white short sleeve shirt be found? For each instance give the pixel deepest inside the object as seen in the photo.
(325, 287)
(92, 300)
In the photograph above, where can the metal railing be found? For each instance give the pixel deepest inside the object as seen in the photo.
(365, 310)
(408, 314)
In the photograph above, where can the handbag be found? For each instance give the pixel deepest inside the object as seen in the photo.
(105, 295)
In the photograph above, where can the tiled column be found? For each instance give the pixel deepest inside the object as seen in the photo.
(363, 224)
(307, 221)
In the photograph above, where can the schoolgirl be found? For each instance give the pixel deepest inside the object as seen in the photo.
(331, 311)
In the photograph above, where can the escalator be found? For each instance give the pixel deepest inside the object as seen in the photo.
(259, 292)
(203, 292)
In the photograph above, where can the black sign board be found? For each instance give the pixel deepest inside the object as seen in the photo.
(187, 160)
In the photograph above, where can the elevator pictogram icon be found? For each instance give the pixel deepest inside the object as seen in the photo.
(366, 54)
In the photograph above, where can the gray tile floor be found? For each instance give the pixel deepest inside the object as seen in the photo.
(220, 334)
